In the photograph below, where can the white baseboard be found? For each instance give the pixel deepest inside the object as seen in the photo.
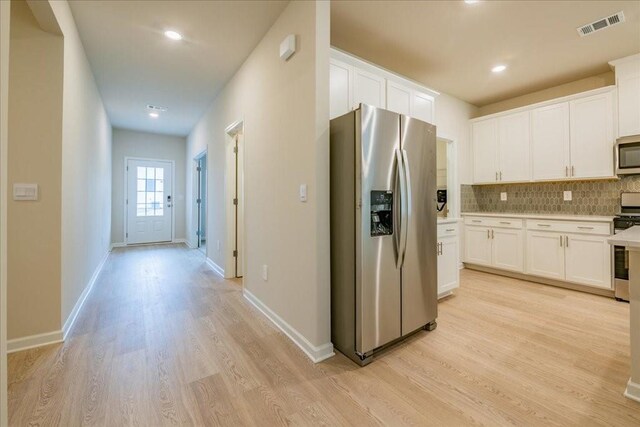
(215, 267)
(118, 245)
(316, 354)
(33, 341)
(632, 391)
(68, 325)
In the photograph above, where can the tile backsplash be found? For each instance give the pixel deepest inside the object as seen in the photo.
(588, 197)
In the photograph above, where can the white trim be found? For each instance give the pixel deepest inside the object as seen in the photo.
(33, 341)
(68, 325)
(215, 267)
(126, 194)
(316, 354)
(632, 391)
(234, 129)
(117, 245)
(185, 241)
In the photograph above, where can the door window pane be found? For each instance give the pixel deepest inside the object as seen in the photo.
(150, 191)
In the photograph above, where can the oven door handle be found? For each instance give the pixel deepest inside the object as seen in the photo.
(626, 258)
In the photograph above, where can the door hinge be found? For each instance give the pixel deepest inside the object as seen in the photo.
(235, 201)
(127, 235)
(235, 150)
(198, 201)
(127, 201)
(199, 169)
(127, 168)
(198, 233)
(235, 254)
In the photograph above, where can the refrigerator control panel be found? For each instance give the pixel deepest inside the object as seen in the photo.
(381, 213)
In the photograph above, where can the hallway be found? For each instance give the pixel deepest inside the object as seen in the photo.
(163, 341)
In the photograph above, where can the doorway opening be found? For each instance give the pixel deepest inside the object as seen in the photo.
(201, 202)
(148, 201)
(235, 189)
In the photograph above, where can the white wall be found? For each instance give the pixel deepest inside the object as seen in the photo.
(285, 108)
(130, 143)
(5, 13)
(86, 168)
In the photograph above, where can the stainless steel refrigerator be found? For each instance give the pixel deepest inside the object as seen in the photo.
(383, 230)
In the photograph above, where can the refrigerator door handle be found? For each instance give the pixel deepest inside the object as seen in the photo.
(402, 238)
(407, 203)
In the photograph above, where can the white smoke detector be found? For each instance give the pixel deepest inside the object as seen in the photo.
(601, 24)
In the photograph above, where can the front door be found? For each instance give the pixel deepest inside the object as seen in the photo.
(149, 201)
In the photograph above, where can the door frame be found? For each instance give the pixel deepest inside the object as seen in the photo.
(195, 194)
(126, 196)
(235, 128)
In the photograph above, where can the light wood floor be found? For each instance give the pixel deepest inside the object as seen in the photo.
(162, 341)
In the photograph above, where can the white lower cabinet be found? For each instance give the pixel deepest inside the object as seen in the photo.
(448, 270)
(588, 260)
(545, 254)
(494, 247)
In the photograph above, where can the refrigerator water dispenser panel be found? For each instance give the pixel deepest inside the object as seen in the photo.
(381, 213)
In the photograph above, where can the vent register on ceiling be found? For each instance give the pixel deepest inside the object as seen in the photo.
(601, 24)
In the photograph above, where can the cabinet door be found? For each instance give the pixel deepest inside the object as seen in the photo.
(448, 271)
(628, 100)
(507, 248)
(592, 136)
(485, 151)
(545, 254)
(340, 88)
(550, 141)
(398, 98)
(514, 147)
(368, 89)
(422, 107)
(477, 245)
(588, 260)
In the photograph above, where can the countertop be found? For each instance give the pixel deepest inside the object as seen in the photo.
(563, 217)
(629, 238)
(448, 220)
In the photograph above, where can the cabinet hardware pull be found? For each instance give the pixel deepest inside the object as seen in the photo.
(566, 171)
(488, 234)
(500, 175)
(496, 176)
(585, 228)
(492, 234)
(573, 173)
(560, 241)
(566, 241)
(451, 229)
(626, 258)
(544, 225)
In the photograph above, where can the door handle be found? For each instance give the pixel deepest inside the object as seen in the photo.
(408, 201)
(626, 258)
(401, 237)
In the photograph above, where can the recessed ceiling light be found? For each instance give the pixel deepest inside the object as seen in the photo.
(173, 35)
(499, 68)
(471, 1)
(154, 115)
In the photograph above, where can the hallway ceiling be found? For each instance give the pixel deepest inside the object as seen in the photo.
(135, 64)
(451, 46)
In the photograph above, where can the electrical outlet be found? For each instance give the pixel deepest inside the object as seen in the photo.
(567, 196)
(218, 245)
(265, 272)
(503, 196)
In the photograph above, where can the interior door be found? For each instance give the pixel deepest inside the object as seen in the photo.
(419, 268)
(239, 206)
(377, 272)
(149, 201)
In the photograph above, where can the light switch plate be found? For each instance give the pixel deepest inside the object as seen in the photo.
(265, 272)
(567, 196)
(303, 192)
(24, 192)
(503, 196)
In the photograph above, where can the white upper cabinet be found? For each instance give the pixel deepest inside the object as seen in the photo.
(628, 83)
(398, 98)
(514, 146)
(340, 88)
(550, 142)
(422, 107)
(592, 136)
(368, 89)
(353, 81)
(484, 135)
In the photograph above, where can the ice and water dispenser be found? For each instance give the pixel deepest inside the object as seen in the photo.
(381, 213)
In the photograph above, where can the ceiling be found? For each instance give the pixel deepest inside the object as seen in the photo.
(451, 46)
(135, 65)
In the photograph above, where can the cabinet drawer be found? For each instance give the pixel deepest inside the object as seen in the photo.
(599, 228)
(494, 222)
(447, 230)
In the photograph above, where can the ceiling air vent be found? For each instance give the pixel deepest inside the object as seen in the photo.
(601, 24)
(157, 108)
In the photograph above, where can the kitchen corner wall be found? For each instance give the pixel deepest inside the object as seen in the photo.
(601, 197)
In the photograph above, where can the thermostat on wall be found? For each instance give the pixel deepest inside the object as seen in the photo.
(288, 47)
(25, 191)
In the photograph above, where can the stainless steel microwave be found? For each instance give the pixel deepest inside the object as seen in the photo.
(627, 154)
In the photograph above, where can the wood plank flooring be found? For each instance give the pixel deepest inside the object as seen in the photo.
(163, 341)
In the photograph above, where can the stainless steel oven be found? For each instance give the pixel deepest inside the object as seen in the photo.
(628, 217)
(627, 155)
